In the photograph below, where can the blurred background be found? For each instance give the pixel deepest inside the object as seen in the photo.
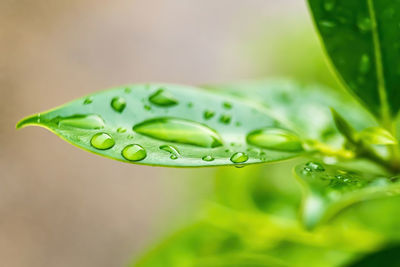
(61, 206)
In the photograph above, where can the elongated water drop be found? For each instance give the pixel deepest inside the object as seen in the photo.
(163, 98)
(174, 153)
(364, 24)
(121, 130)
(208, 114)
(239, 157)
(179, 131)
(134, 152)
(275, 139)
(118, 104)
(208, 158)
(91, 122)
(102, 141)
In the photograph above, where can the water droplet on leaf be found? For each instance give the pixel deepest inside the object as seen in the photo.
(315, 166)
(172, 150)
(329, 5)
(365, 64)
(179, 131)
(121, 130)
(239, 157)
(118, 104)
(208, 158)
(227, 105)
(208, 114)
(88, 101)
(134, 152)
(102, 141)
(364, 24)
(90, 122)
(275, 139)
(225, 118)
(163, 98)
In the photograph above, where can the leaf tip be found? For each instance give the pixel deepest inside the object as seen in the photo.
(30, 120)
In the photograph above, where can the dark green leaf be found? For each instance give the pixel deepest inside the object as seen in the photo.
(361, 38)
(344, 127)
(170, 125)
(330, 189)
(388, 257)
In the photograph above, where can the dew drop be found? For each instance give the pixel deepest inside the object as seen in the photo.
(172, 150)
(91, 122)
(179, 131)
(208, 158)
(227, 105)
(128, 90)
(275, 139)
(365, 64)
(163, 99)
(329, 5)
(134, 152)
(225, 118)
(88, 100)
(147, 107)
(239, 157)
(208, 114)
(364, 24)
(315, 166)
(326, 24)
(121, 130)
(118, 104)
(102, 141)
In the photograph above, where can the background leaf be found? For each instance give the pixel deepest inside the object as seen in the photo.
(329, 189)
(170, 125)
(305, 109)
(361, 38)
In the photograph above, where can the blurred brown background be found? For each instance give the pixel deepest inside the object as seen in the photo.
(60, 206)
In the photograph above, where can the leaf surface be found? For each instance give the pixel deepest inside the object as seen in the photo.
(329, 189)
(361, 39)
(170, 125)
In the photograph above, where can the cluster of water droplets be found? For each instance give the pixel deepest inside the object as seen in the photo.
(180, 131)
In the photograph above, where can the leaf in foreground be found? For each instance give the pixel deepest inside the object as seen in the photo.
(329, 189)
(170, 125)
(361, 38)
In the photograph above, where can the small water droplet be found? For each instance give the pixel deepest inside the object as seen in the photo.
(190, 105)
(134, 152)
(364, 24)
(172, 150)
(315, 166)
(275, 139)
(225, 118)
(208, 158)
(179, 131)
(365, 64)
(239, 157)
(326, 24)
(227, 105)
(118, 104)
(90, 122)
(208, 114)
(128, 90)
(306, 171)
(121, 130)
(238, 124)
(88, 100)
(102, 141)
(329, 5)
(147, 107)
(130, 136)
(163, 98)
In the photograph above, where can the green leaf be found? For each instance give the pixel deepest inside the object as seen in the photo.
(388, 257)
(377, 136)
(306, 110)
(344, 127)
(329, 189)
(361, 38)
(170, 125)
